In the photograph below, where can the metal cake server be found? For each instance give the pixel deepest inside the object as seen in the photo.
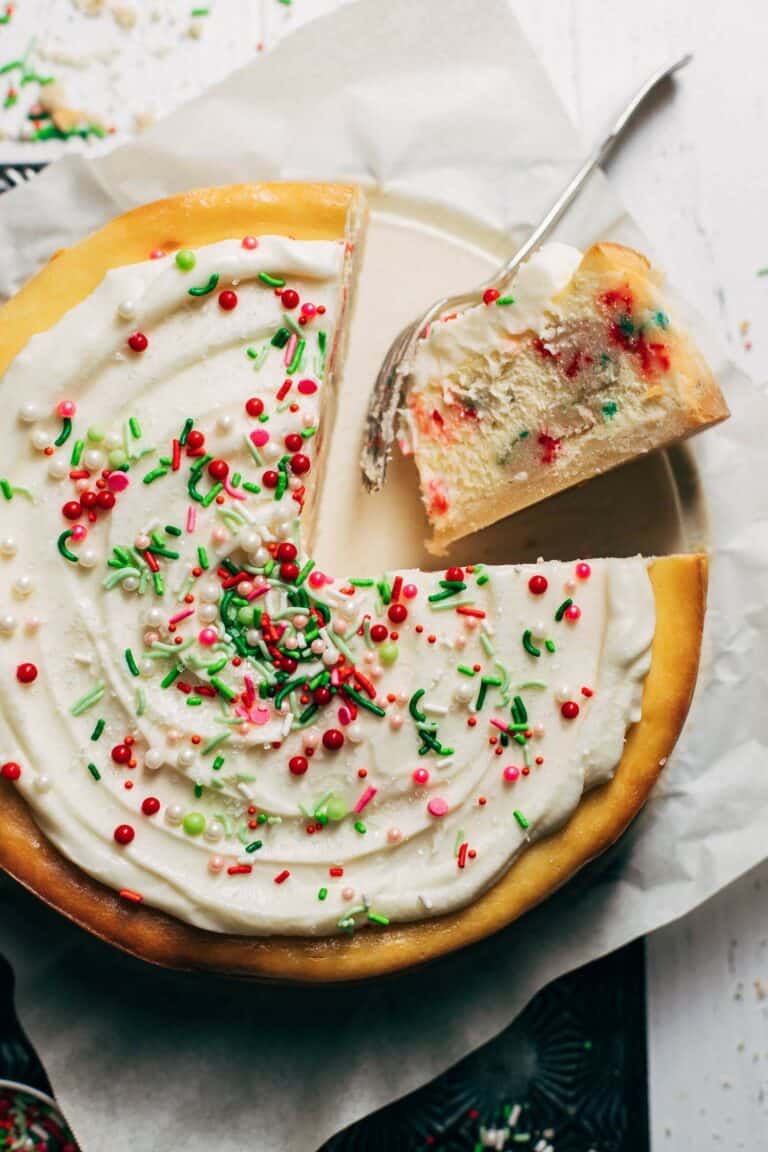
(391, 382)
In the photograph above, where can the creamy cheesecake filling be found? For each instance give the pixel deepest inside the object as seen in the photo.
(215, 726)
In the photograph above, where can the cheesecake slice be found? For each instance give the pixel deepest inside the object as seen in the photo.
(580, 366)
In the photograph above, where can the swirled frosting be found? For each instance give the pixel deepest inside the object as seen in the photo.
(199, 717)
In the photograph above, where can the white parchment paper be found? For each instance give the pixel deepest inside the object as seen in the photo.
(442, 100)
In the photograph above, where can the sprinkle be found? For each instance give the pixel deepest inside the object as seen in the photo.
(239, 869)
(413, 706)
(191, 518)
(188, 425)
(528, 644)
(322, 894)
(360, 827)
(563, 609)
(280, 338)
(503, 301)
(271, 281)
(66, 432)
(282, 876)
(519, 710)
(361, 583)
(135, 428)
(465, 671)
(6, 489)
(377, 918)
(205, 289)
(550, 645)
(362, 701)
(209, 498)
(212, 744)
(218, 763)
(520, 819)
(253, 846)
(94, 771)
(305, 571)
(131, 662)
(141, 701)
(88, 700)
(365, 798)
(297, 357)
(182, 616)
(223, 689)
(155, 474)
(462, 854)
(100, 726)
(169, 678)
(61, 544)
(131, 896)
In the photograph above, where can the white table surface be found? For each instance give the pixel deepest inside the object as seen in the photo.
(695, 175)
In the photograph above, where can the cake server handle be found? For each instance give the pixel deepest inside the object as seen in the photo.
(390, 386)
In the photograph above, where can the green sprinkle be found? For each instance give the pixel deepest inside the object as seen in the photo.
(550, 645)
(61, 544)
(66, 432)
(188, 425)
(271, 281)
(563, 609)
(255, 488)
(217, 740)
(88, 700)
(202, 557)
(186, 260)
(609, 410)
(280, 338)
(520, 818)
(209, 497)
(77, 452)
(193, 823)
(322, 894)
(363, 701)
(135, 428)
(94, 771)
(158, 583)
(662, 319)
(503, 301)
(194, 701)
(465, 671)
(218, 763)
(223, 689)
(483, 578)
(413, 706)
(297, 357)
(155, 474)
(529, 645)
(141, 701)
(254, 846)
(520, 711)
(305, 571)
(205, 289)
(532, 684)
(131, 662)
(377, 918)
(360, 827)
(100, 726)
(169, 678)
(6, 489)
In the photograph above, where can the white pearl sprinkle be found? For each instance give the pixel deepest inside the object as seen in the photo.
(93, 459)
(40, 439)
(126, 309)
(42, 782)
(214, 830)
(23, 587)
(224, 422)
(186, 758)
(89, 557)
(563, 692)
(210, 591)
(464, 691)
(58, 468)
(113, 440)
(29, 412)
(130, 584)
(174, 814)
(249, 539)
(153, 759)
(207, 613)
(7, 624)
(8, 547)
(354, 733)
(154, 617)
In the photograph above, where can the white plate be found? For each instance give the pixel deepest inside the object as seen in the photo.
(416, 253)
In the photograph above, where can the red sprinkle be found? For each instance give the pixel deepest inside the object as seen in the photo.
(150, 806)
(72, 510)
(300, 464)
(26, 673)
(239, 869)
(124, 833)
(333, 739)
(254, 407)
(121, 753)
(570, 710)
(227, 300)
(270, 478)
(336, 871)
(537, 585)
(290, 299)
(10, 770)
(491, 295)
(397, 613)
(379, 633)
(298, 765)
(131, 896)
(282, 876)
(138, 342)
(218, 469)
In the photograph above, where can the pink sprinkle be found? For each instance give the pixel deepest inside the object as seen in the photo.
(156, 254)
(66, 409)
(368, 795)
(250, 242)
(437, 806)
(345, 716)
(259, 437)
(208, 636)
(583, 570)
(290, 348)
(117, 481)
(511, 774)
(256, 592)
(230, 491)
(79, 532)
(335, 677)
(420, 776)
(573, 612)
(181, 616)
(260, 715)
(317, 579)
(409, 591)
(502, 727)
(191, 518)
(307, 387)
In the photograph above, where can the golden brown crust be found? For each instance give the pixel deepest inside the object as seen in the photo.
(679, 585)
(320, 212)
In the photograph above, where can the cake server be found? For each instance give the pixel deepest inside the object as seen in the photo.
(390, 387)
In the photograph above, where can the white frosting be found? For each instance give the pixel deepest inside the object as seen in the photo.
(401, 861)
